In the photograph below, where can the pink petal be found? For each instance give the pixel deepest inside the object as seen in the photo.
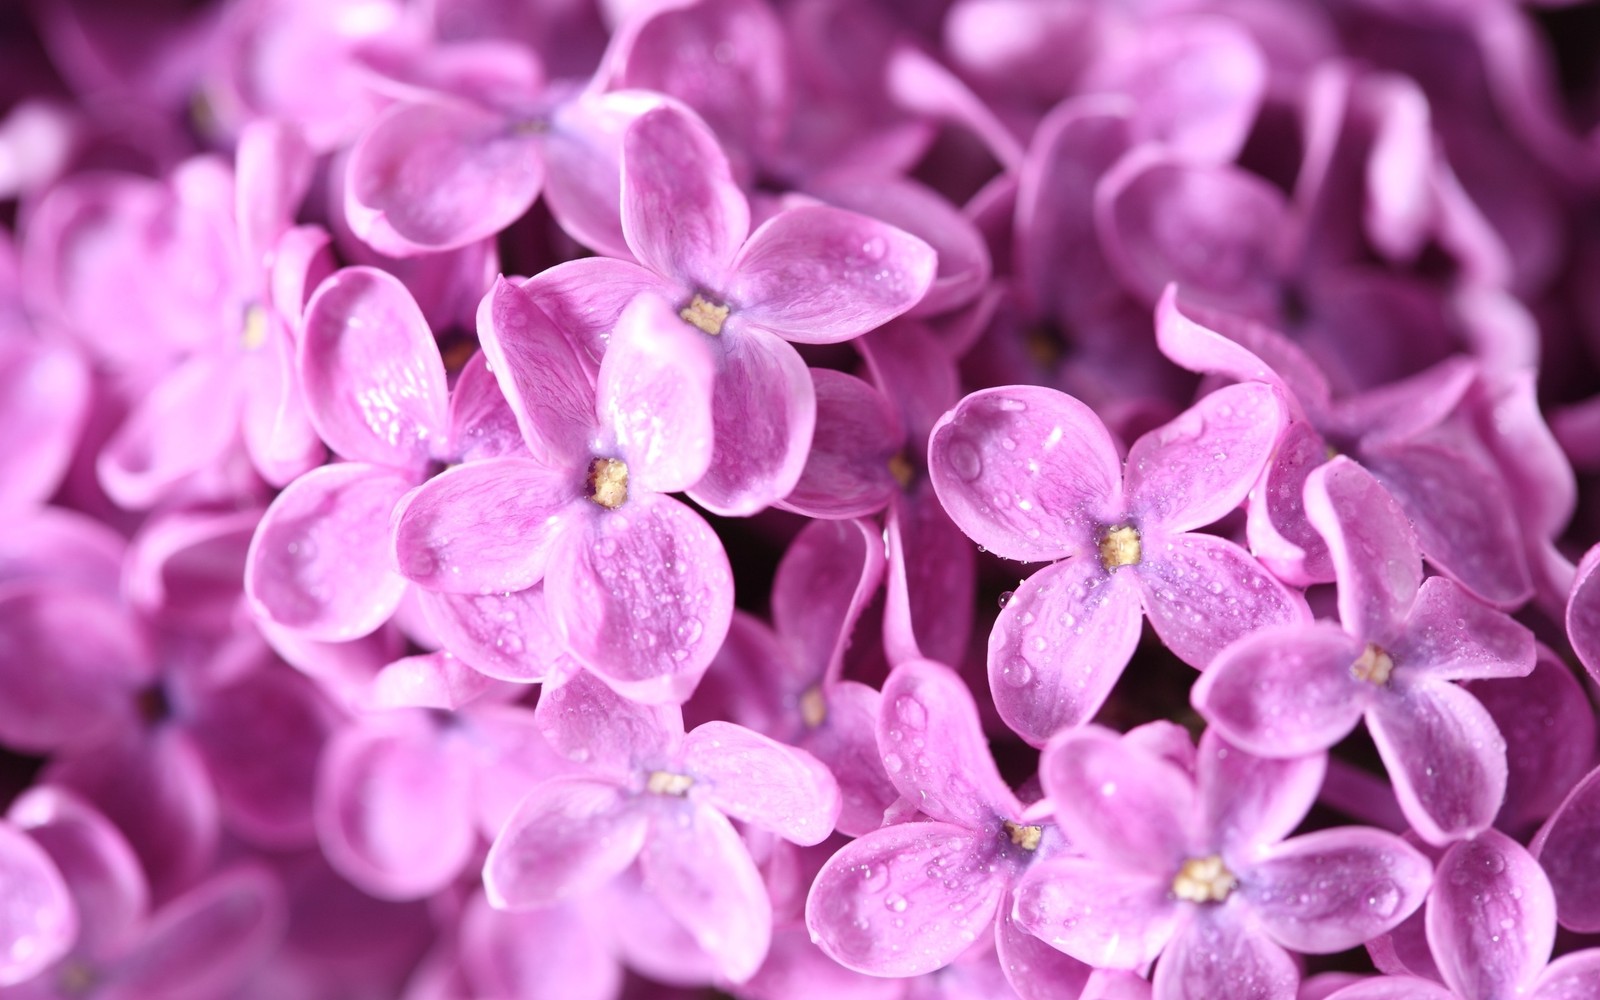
(1284, 691)
(274, 421)
(586, 722)
(1107, 917)
(184, 427)
(433, 680)
(1570, 977)
(764, 412)
(1203, 593)
(208, 941)
(931, 582)
(274, 167)
(542, 954)
(1445, 757)
(762, 782)
(1453, 636)
(44, 400)
(319, 562)
(482, 424)
(1393, 988)
(569, 836)
(1027, 472)
(1568, 848)
(1249, 803)
(540, 372)
(1217, 949)
(818, 274)
(1034, 969)
(485, 527)
(847, 742)
(394, 807)
(1060, 644)
(1491, 917)
(655, 394)
(874, 909)
(506, 636)
(857, 434)
(682, 214)
(1216, 342)
(583, 298)
(935, 751)
(1124, 807)
(583, 154)
(1372, 545)
(822, 584)
(1197, 468)
(373, 379)
(40, 922)
(1280, 536)
(1583, 613)
(1334, 889)
(431, 177)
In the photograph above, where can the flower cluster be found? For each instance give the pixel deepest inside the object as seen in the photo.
(864, 499)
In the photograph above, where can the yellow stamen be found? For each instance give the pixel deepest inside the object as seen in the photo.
(902, 470)
(813, 707)
(608, 482)
(1025, 837)
(255, 327)
(701, 312)
(667, 783)
(1373, 666)
(1203, 880)
(1120, 547)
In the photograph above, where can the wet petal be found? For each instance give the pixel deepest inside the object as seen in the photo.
(1570, 977)
(507, 636)
(1027, 472)
(1452, 636)
(1491, 917)
(1568, 848)
(319, 562)
(40, 922)
(1195, 469)
(1445, 757)
(482, 424)
(1107, 917)
(1219, 952)
(931, 582)
(1280, 536)
(1215, 342)
(431, 680)
(1372, 545)
(761, 782)
(1334, 889)
(588, 723)
(569, 836)
(1060, 644)
(1119, 804)
(827, 576)
(857, 434)
(1249, 803)
(847, 742)
(682, 214)
(182, 428)
(905, 899)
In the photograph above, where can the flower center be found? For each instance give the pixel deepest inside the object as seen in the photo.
(1203, 880)
(1373, 666)
(701, 312)
(77, 979)
(254, 332)
(608, 482)
(667, 783)
(1120, 547)
(902, 470)
(813, 707)
(1025, 837)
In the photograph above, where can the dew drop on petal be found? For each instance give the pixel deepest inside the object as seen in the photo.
(965, 460)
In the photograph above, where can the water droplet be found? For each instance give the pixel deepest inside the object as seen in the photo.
(874, 249)
(1018, 674)
(1383, 900)
(1005, 597)
(911, 711)
(892, 763)
(1010, 405)
(964, 460)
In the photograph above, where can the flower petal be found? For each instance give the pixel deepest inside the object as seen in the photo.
(588, 723)
(184, 427)
(1034, 969)
(208, 941)
(1491, 917)
(319, 562)
(1216, 342)
(1570, 977)
(1217, 951)
(1445, 757)
(761, 782)
(1453, 636)
(1060, 644)
(485, 527)
(1280, 536)
(44, 400)
(847, 742)
(482, 424)
(1334, 889)
(682, 214)
(1249, 803)
(874, 909)
(1583, 612)
(1373, 547)
(40, 922)
(1568, 849)
(655, 394)
(570, 835)
(1119, 804)
(1195, 469)
(857, 434)
(818, 274)
(931, 582)
(1027, 472)
(825, 579)
(556, 951)
(1110, 918)
(507, 636)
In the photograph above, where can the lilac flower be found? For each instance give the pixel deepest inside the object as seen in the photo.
(1032, 474)
(1283, 692)
(636, 585)
(811, 274)
(908, 898)
(41, 919)
(1567, 847)
(1194, 867)
(651, 794)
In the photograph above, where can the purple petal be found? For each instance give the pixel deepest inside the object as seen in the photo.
(1109, 918)
(1491, 917)
(44, 399)
(762, 782)
(1333, 889)
(1583, 613)
(374, 383)
(540, 372)
(40, 921)
(583, 298)
(1215, 342)
(485, 527)
(829, 573)
(482, 424)
(682, 214)
(1568, 848)
(394, 807)
(432, 177)
(1373, 548)
(764, 412)
(569, 836)
(857, 435)
(184, 427)
(274, 167)
(1249, 803)
(1453, 636)
(655, 394)
(1570, 977)
(1280, 536)
(1445, 757)
(818, 274)
(1393, 988)
(1034, 969)
(847, 742)
(506, 636)
(587, 722)
(935, 751)
(932, 579)
(1120, 805)
(208, 941)
(568, 957)
(874, 909)
(1284, 691)
(583, 154)
(643, 596)
(319, 562)
(1060, 644)
(1203, 592)
(1027, 472)
(1215, 951)
(1195, 469)
(432, 680)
